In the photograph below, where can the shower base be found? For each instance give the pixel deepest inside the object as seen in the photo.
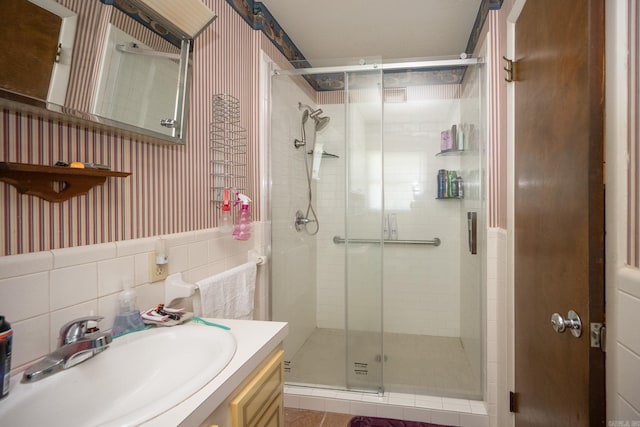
(417, 364)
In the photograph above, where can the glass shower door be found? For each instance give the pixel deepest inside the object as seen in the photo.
(364, 230)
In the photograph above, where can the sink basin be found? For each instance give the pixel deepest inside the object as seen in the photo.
(140, 376)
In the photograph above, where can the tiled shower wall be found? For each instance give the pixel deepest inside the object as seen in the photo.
(293, 260)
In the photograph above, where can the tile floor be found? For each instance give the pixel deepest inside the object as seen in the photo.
(306, 418)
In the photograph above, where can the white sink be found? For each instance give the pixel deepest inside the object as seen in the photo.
(140, 376)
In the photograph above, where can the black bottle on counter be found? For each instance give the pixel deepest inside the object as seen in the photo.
(6, 336)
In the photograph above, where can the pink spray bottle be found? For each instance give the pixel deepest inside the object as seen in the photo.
(242, 229)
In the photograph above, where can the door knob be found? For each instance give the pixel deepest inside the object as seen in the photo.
(572, 322)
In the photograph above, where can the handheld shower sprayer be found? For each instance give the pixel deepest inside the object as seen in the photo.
(302, 219)
(302, 142)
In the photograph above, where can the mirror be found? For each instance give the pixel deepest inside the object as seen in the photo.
(111, 66)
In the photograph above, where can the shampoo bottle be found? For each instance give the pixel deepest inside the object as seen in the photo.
(242, 229)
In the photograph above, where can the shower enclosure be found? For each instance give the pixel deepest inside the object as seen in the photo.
(376, 260)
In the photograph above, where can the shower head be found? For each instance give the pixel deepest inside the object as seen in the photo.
(321, 122)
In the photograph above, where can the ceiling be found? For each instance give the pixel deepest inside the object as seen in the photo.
(392, 29)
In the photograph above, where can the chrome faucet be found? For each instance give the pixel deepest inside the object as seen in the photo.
(76, 344)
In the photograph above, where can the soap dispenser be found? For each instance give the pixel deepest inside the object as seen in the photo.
(128, 319)
(242, 229)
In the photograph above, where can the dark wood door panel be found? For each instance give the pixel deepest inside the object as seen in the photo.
(559, 210)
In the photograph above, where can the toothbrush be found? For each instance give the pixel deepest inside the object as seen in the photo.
(152, 315)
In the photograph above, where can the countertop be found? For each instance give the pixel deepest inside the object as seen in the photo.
(255, 341)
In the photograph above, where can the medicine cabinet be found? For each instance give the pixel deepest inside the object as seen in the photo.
(113, 65)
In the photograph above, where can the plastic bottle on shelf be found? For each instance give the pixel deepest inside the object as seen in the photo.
(242, 229)
(442, 183)
(453, 184)
(460, 137)
(452, 187)
(460, 187)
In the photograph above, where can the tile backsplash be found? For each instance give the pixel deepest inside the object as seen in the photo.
(41, 291)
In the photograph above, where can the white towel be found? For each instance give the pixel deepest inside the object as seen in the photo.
(229, 295)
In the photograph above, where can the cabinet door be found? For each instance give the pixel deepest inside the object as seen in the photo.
(258, 397)
(273, 416)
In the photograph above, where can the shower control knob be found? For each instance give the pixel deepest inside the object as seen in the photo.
(572, 322)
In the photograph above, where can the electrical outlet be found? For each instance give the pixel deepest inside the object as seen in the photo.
(157, 272)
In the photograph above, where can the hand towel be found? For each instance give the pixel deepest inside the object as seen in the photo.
(229, 295)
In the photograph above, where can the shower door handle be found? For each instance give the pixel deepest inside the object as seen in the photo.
(472, 228)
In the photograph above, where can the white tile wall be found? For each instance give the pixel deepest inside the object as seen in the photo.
(39, 292)
(496, 379)
(627, 348)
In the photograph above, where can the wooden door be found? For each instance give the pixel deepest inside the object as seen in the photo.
(559, 210)
(26, 67)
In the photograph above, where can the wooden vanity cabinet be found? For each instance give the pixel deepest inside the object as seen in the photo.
(258, 401)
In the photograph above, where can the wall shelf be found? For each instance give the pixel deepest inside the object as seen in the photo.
(452, 153)
(54, 183)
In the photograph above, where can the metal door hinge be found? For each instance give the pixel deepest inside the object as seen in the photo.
(510, 69)
(598, 334)
(58, 53)
(513, 401)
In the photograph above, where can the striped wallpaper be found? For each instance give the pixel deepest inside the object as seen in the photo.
(633, 137)
(497, 173)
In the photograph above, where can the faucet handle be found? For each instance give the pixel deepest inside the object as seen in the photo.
(75, 329)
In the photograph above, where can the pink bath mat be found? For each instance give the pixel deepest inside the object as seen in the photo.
(387, 422)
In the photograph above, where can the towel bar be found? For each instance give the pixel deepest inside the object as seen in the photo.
(434, 242)
(175, 287)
